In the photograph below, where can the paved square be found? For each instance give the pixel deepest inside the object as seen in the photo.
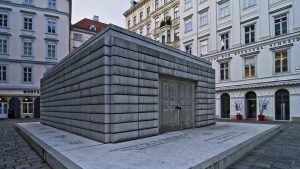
(198, 147)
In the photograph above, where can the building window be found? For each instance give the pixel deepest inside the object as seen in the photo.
(148, 11)
(156, 23)
(28, 2)
(166, 1)
(249, 3)
(51, 26)
(52, 4)
(187, 4)
(250, 34)
(281, 25)
(163, 37)
(134, 20)
(128, 23)
(51, 50)
(188, 48)
(148, 28)
(156, 4)
(224, 71)
(249, 67)
(28, 21)
(27, 47)
(141, 30)
(168, 36)
(203, 16)
(188, 25)
(27, 106)
(77, 37)
(281, 61)
(3, 20)
(204, 47)
(176, 12)
(224, 9)
(225, 41)
(166, 15)
(3, 46)
(27, 74)
(176, 34)
(141, 16)
(3, 71)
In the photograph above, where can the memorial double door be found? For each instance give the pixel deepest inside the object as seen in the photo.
(176, 105)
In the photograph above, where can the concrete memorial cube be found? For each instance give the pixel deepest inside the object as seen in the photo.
(121, 86)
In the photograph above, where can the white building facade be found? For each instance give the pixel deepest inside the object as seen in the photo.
(34, 36)
(254, 47)
(155, 19)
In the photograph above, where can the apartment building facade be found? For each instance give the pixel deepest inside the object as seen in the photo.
(254, 47)
(155, 19)
(83, 30)
(34, 36)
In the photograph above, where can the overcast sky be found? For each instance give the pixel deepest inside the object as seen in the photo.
(109, 11)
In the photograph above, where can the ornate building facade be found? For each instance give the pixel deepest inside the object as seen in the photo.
(156, 19)
(34, 36)
(254, 47)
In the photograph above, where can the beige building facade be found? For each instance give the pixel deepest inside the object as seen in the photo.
(155, 19)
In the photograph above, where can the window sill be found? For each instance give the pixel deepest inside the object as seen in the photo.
(4, 55)
(228, 80)
(224, 17)
(28, 30)
(25, 56)
(249, 7)
(27, 82)
(48, 58)
(281, 73)
(4, 81)
(185, 10)
(188, 31)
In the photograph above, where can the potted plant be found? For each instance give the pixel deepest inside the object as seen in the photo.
(237, 106)
(162, 23)
(168, 20)
(263, 104)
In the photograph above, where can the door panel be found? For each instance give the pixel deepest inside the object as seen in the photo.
(176, 102)
(3, 110)
(282, 105)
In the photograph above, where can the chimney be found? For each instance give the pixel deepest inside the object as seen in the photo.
(96, 18)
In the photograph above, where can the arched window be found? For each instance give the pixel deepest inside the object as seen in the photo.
(282, 105)
(225, 105)
(27, 105)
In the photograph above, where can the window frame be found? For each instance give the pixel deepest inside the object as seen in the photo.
(2, 72)
(187, 4)
(250, 4)
(27, 76)
(53, 20)
(2, 38)
(201, 46)
(254, 58)
(24, 23)
(186, 50)
(51, 43)
(224, 69)
(281, 65)
(201, 17)
(52, 4)
(190, 23)
(250, 33)
(27, 40)
(3, 19)
(281, 28)
(220, 7)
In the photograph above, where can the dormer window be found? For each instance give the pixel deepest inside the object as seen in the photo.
(93, 28)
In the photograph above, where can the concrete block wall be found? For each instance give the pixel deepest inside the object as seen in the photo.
(108, 89)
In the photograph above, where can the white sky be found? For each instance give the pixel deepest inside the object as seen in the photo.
(109, 11)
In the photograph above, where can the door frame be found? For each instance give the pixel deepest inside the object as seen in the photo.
(247, 105)
(290, 118)
(2, 116)
(167, 77)
(222, 105)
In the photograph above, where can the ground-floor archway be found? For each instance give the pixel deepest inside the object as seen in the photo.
(251, 105)
(282, 105)
(225, 105)
(14, 108)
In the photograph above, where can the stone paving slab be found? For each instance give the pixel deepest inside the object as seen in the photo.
(220, 144)
(15, 152)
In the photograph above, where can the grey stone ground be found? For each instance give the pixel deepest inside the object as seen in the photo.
(15, 152)
(281, 152)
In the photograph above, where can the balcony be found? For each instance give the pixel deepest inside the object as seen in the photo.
(176, 22)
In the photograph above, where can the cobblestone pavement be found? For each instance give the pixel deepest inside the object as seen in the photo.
(280, 152)
(15, 152)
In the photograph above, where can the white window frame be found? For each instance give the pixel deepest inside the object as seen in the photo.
(51, 51)
(156, 4)
(25, 52)
(3, 39)
(224, 69)
(222, 6)
(188, 24)
(75, 35)
(250, 33)
(52, 23)
(187, 4)
(254, 62)
(28, 22)
(287, 23)
(28, 104)
(203, 18)
(176, 12)
(222, 34)
(156, 22)
(288, 61)
(28, 2)
(52, 4)
(2, 72)
(248, 3)
(2, 23)
(188, 48)
(27, 73)
(203, 44)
